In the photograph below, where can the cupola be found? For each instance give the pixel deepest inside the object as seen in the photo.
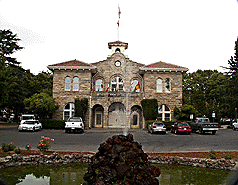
(117, 46)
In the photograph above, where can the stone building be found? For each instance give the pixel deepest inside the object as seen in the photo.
(115, 87)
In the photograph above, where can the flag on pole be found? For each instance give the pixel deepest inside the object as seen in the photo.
(93, 86)
(109, 84)
(119, 12)
(118, 23)
(117, 89)
(137, 86)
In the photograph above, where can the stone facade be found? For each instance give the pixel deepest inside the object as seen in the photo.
(115, 88)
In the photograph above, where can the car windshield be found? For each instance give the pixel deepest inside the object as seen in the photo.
(30, 122)
(75, 119)
(27, 117)
(183, 124)
(158, 124)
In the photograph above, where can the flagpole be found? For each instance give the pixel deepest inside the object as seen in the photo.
(119, 15)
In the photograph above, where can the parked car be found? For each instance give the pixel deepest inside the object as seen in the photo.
(181, 127)
(74, 124)
(30, 125)
(157, 127)
(25, 117)
(234, 125)
(204, 125)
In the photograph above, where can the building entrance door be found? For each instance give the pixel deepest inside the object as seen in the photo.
(117, 116)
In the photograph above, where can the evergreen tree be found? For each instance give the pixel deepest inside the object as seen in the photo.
(8, 46)
(233, 87)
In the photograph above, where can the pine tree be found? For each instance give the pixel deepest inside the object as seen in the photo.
(233, 87)
(8, 46)
(233, 62)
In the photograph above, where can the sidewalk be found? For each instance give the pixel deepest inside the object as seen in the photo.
(113, 130)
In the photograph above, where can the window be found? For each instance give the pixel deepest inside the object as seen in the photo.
(99, 85)
(159, 85)
(67, 83)
(167, 85)
(164, 113)
(75, 84)
(68, 111)
(117, 84)
(135, 86)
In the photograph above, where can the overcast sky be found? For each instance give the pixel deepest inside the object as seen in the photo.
(197, 34)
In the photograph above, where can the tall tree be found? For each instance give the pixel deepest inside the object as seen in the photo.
(233, 73)
(8, 45)
(42, 82)
(206, 92)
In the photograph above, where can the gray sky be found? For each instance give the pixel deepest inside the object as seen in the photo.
(197, 34)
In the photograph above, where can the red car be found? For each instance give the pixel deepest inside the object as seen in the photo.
(181, 127)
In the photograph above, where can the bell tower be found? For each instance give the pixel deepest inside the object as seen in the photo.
(118, 46)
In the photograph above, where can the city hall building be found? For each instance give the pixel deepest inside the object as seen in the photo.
(115, 88)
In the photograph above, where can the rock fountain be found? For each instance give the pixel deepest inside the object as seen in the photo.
(121, 160)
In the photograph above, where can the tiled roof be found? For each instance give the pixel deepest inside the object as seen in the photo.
(163, 65)
(71, 63)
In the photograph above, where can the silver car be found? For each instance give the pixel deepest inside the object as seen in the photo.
(30, 125)
(235, 126)
(157, 127)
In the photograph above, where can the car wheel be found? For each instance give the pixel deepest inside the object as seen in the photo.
(213, 132)
(234, 128)
(200, 131)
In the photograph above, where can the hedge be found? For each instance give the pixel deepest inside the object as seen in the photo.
(52, 123)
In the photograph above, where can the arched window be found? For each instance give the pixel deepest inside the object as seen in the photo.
(67, 83)
(164, 113)
(135, 86)
(167, 85)
(159, 85)
(117, 84)
(68, 111)
(118, 50)
(99, 85)
(75, 84)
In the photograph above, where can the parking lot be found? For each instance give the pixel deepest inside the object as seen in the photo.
(223, 140)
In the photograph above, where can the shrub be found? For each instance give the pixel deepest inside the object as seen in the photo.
(17, 150)
(227, 156)
(52, 123)
(212, 154)
(9, 147)
(44, 143)
(28, 147)
(150, 108)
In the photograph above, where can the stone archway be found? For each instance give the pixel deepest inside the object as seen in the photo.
(136, 117)
(97, 116)
(117, 115)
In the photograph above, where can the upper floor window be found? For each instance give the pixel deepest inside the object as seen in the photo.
(75, 84)
(135, 86)
(159, 87)
(117, 84)
(67, 83)
(167, 85)
(99, 85)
